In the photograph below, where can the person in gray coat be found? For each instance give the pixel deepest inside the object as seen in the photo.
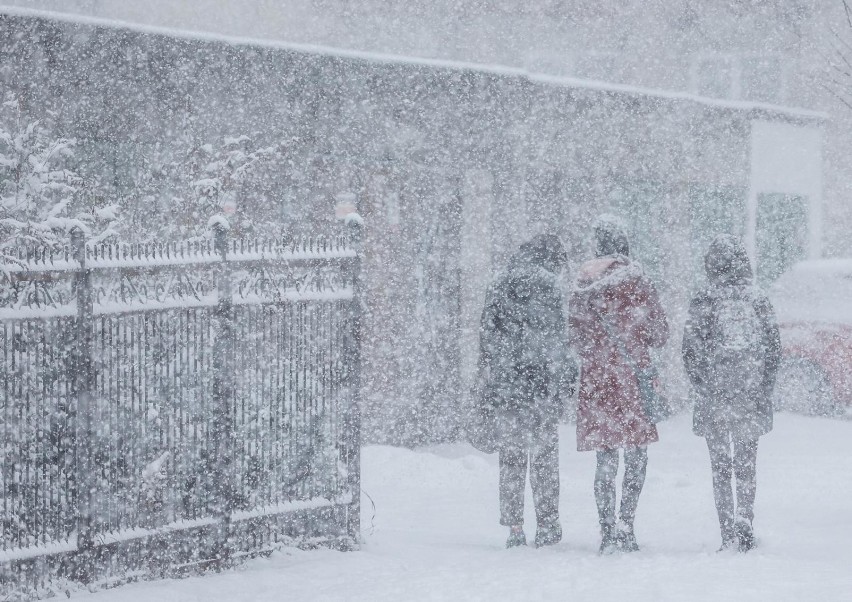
(731, 352)
(526, 371)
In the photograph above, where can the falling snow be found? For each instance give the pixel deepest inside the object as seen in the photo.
(300, 296)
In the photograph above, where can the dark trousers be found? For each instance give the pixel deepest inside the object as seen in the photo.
(731, 457)
(635, 466)
(529, 438)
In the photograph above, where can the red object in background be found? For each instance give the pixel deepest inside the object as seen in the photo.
(813, 301)
(828, 346)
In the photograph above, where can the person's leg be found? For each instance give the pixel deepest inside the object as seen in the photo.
(607, 469)
(635, 467)
(745, 472)
(513, 469)
(719, 445)
(544, 479)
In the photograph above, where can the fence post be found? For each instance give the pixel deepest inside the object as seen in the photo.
(223, 394)
(352, 356)
(84, 388)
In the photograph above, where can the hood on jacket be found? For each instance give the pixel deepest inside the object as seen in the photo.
(727, 262)
(534, 267)
(543, 251)
(610, 236)
(609, 270)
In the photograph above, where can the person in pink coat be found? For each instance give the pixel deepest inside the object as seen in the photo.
(614, 311)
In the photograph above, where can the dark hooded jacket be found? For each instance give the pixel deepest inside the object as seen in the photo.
(724, 402)
(523, 326)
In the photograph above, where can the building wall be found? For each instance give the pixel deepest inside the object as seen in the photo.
(775, 51)
(452, 167)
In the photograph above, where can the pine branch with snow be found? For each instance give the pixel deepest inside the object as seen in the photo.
(40, 195)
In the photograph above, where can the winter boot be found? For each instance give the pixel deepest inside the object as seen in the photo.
(609, 540)
(745, 535)
(548, 535)
(729, 538)
(626, 538)
(727, 545)
(516, 537)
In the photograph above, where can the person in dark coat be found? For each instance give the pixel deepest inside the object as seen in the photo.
(615, 318)
(526, 371)
(731, 351)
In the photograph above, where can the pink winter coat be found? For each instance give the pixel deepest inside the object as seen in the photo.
(609, 413)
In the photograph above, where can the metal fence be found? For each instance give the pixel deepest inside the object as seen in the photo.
(174, 405)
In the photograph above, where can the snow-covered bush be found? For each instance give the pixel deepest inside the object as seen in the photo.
(200, 181)
(42, 198)
(229, 166)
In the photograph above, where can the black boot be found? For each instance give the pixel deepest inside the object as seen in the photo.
(626, 537)
(516, 537)
(609, 540)
(548, 535)
(729, 538)
(745, 535)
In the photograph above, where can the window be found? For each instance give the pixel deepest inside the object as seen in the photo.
(643, 207)
(782, 230)
(714, 77)
(761, 79)
(751, 77)
(713, 211)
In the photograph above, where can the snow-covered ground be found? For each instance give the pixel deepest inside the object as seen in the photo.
(435, 534)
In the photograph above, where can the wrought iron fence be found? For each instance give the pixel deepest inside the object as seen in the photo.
(172, 405)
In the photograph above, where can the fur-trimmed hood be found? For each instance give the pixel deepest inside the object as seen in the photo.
(602, 272)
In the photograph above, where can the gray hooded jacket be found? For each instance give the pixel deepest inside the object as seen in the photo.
(731, 347)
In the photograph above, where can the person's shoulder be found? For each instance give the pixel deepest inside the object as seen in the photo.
(493, 287)
(750, 293)
(704, 296)
(547, 277)
(497, 288)
(747, 291)
(759, 297)
(545, 284)
(506, 276)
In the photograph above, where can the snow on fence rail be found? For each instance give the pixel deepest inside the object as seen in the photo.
(175, 404)
(38, 259)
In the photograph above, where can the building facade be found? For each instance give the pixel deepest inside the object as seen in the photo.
(452, 165)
